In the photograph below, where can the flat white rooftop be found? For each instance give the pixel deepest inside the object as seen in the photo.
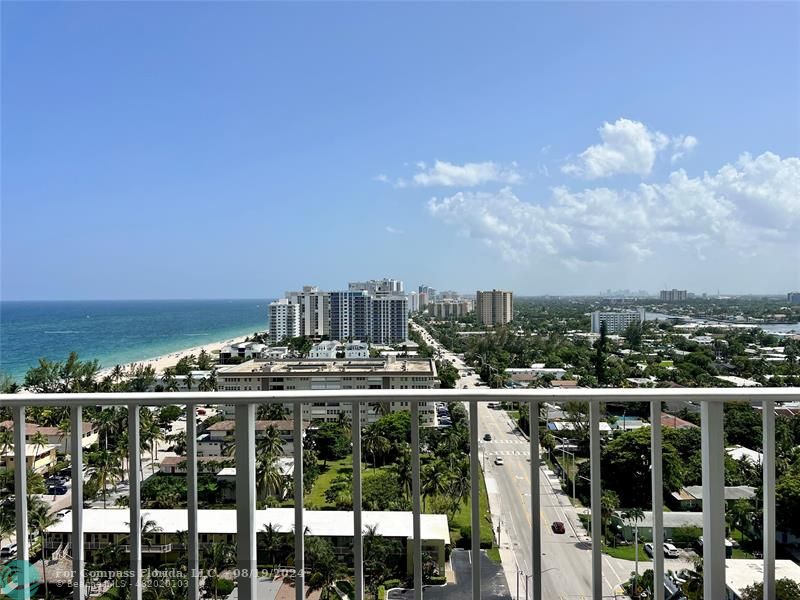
(743, 572)
(323, 523)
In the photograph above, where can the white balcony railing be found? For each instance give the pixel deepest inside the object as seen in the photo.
(711, 401)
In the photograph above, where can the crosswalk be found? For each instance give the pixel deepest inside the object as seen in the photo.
(508, 453)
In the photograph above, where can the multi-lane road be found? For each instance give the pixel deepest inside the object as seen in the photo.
(566, 567)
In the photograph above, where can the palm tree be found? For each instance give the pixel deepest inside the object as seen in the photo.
(38, 440)
(105, 423)
(609, 502)
(434, 482)
(107, 470)
(6, 440)
(270, 442)
(169, 381)
(189, 381)
(738, 515)
(402, 466)
(40, 521)
(375, 443)
(636, 515)
(217, 557)
(272, 541)
(117, 373)
(8, 525)
(268, 476)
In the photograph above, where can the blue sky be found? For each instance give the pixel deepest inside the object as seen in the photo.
(158, 150)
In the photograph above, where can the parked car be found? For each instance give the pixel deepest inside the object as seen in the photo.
(648, 549)
(8, 551)
(487, 437)
(558, 527)
(670, 551)
(498, 460)
(57, 490)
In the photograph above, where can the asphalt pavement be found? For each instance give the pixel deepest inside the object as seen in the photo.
(493, 582)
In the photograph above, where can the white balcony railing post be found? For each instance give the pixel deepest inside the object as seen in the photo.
(76, 457)
(713, 453)
(21, 492)
(415, 500)
(596, 490)
(768, 451)
(658, 498)
(134, 500)
(299, 527)
(358, 527)
(536, 521)
(474, 481)
(246, 501)
(193, 546)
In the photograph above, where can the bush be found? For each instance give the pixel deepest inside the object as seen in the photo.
(684, 537)
(224, 587)
(438, 580)
(381, 593)
(391, 583)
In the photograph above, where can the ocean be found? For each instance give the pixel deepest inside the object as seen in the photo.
(118, 331)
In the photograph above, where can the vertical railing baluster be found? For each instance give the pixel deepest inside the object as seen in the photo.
(299, 527)
(474, 480)
(536, 521)
(21, 493)
(134, 500)
(358, 528)
(768, 451)
(193, 541)
(76, 458)
(246, 501)
(658, 498)
(713, 463)
(415, 500)
(596, 491)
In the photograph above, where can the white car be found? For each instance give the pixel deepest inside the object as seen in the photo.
(498, 460)
(670, 551)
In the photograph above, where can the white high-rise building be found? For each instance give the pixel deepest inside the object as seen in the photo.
(378, 287)
(315, 307)
(413, 302)
(284, 320)
(617, 321)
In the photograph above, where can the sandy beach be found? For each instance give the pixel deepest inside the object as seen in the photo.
(159, 363)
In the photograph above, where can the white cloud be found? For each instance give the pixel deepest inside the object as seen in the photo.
(749, 207)
(382, 178)
(628, 147)
(447, 174)
(392, 230)
(682, 145)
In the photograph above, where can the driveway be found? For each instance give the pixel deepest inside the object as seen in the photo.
(493, 582)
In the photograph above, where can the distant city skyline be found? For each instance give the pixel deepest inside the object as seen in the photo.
(239, 150)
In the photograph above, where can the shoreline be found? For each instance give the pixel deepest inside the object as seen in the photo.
(159, 363)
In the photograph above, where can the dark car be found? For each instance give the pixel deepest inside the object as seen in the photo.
(558, 527)
(57, 490)
(487, 437)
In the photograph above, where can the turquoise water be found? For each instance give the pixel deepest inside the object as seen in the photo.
(118, 331)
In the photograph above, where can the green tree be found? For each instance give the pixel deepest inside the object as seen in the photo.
(635, 515)
(217, 557)
(785, 589)
(330, 442)
(40, 521)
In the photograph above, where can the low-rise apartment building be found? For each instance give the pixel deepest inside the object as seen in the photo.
(336, 374)
(110, 526)
(39, 458)
(55, 436)
(216, 438)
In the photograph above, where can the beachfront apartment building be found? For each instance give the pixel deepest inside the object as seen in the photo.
(315, 307)
(284, 320)
(495, 307)
(378, 287)
(351, 315)
(336, 374)
(616, 321)
(54, 435)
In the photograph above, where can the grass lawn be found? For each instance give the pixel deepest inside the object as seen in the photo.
(626, 552)
(494, 555)
(316, 497)
(463, 518)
